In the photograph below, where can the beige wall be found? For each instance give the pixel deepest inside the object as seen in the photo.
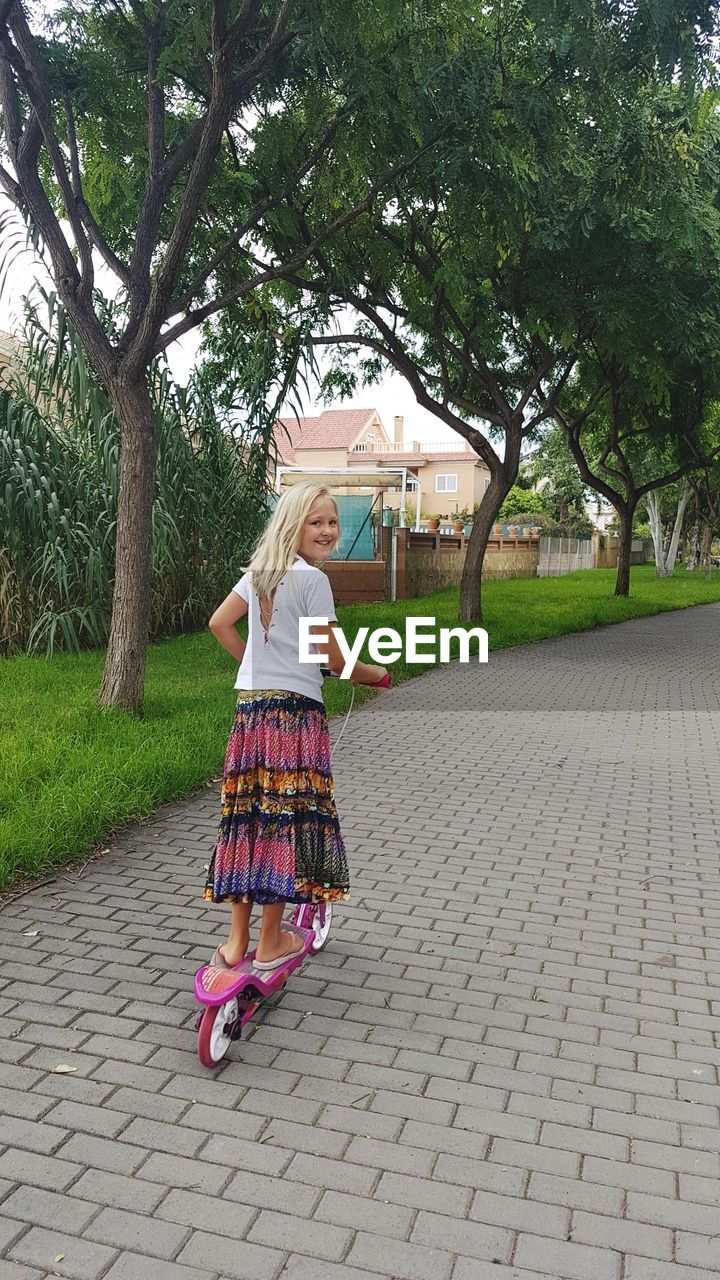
(469, 491)
(429, 570)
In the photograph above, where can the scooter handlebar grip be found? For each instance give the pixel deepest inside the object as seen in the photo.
(374, 684)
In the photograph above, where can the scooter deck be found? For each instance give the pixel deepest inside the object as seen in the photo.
(215, 986)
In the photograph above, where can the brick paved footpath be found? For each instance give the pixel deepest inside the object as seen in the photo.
(504, 1066)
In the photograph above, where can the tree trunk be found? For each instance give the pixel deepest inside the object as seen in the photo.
(706, 537)
(471, 582)
(693, 553)
(652, 503)
(666, 546)
(683, 499)
(625, 516)
(124, 672)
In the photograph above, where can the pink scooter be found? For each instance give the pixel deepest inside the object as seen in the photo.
(231, 996)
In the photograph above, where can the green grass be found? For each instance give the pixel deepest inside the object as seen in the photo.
(72, 772)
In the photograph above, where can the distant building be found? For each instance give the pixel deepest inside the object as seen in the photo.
(8, 352)
(448, 479)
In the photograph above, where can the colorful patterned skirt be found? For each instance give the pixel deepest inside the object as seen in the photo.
(279, 836)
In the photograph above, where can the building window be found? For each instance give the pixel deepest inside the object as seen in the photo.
(413, 484)
(487, 483)
(446, 484)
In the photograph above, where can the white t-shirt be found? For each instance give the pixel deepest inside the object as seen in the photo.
(272, 660)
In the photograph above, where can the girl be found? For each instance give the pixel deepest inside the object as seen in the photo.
(279, 837)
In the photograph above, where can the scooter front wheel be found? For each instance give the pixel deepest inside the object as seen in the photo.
(318, 917)
(215, 1033)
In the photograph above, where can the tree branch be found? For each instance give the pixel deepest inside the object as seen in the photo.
(23, 56)
(141, 336)
(256, 213)
(114, 263)
(247, 15)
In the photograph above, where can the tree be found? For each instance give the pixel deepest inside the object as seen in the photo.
(626, 445)
(551, 468)
(157, 171)
(666, 513)
(705, 488)
(523, 502)
(59, 452)
(482, 286)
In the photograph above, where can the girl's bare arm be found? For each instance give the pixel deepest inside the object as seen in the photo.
(362, 672)
(223, 624)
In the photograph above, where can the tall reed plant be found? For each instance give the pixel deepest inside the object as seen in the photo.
(59, 463)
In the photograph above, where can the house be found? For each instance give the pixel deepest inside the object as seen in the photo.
(8, 353)
(448, 479)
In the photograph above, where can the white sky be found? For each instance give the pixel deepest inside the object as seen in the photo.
(391, 396)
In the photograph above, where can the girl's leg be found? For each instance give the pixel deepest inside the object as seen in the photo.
(274, 941)
(234, 949)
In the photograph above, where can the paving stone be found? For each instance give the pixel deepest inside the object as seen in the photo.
(163, 1137)
(298, 1268)
(361, 1213)
(135, 1266)
(37, 1170)
(162, 1170)
(11, 1229)
(697, 1251)
(424, 1193)
(650, 1269)
(285, 1231)
(96, 1120)
(16, 1271)
(133, 1231)
(402, 1260)
(222, 1218)
(284, 1194)
(613, 1233)
(45, 1208)
(592, 1196)
(571, 1261)
(82, 1259)
(475, 1239)
(40, 1136)
(117, 1191)
(234, 1259)
(101, 1153)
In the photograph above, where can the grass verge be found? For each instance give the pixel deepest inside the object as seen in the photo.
(72, 772)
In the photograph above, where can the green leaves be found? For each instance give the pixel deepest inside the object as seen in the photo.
(59, 462)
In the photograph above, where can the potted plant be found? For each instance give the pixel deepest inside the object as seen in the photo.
(460, 519)
(433, 523)
(513, 530)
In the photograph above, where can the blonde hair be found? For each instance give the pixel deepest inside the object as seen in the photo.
(278, 545)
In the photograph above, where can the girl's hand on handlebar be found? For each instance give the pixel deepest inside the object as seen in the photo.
(374, 675)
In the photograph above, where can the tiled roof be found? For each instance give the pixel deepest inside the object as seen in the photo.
(333, 429)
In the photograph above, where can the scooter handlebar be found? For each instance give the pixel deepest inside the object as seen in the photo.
(374, 684)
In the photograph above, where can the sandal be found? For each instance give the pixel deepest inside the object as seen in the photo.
(265, 966)
(218, 960)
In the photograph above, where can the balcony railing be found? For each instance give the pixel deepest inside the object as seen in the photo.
(413, 446)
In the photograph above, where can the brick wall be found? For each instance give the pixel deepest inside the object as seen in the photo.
(354, 581)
